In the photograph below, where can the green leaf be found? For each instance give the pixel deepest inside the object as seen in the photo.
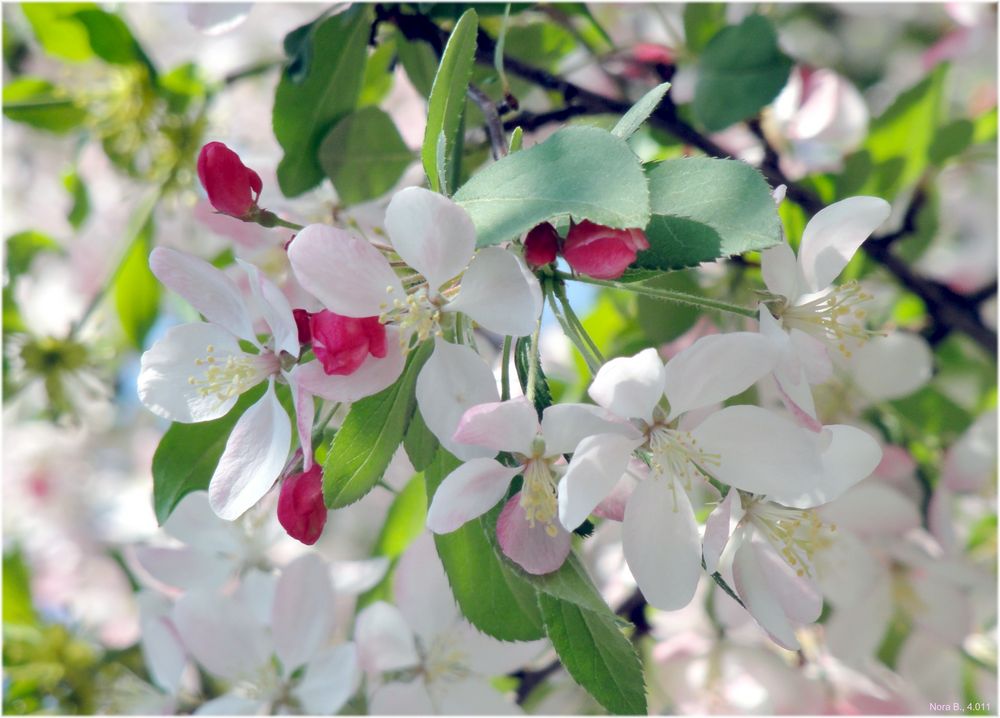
(704, 209)
(522, 364)
(663, 322)
(702, 20)
(740, 71)
(640, 112)
(371, 433)
(81, 199)
(378, 74)
(110, 37)
(566, 175)
(950, 141)
(42, 105)
(23, 247)
(516, 140)
(985, 127)
(596, 654)
(306, 109)
(492, 595)
(182, 85)
(18, 608)
(900, 140)
(188, 454)
(136, 289)
(58, 30)
(542, 44)
(420, 64)
(420, 443)
(364, 155)
(447, 99)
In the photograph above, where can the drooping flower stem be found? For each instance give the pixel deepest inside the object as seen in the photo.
(667, 295)
(574, 320)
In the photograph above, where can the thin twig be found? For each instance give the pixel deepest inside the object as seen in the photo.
(494, 128)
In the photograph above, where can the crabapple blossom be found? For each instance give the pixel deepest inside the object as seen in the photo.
(424, 638)
(341, 344)
(232, 187)
(602, 252)
(301, 509)
(527, 529)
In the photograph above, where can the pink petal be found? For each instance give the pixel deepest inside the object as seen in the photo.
(529, 546)
(371, 377)
(502, 426)
(467, 492)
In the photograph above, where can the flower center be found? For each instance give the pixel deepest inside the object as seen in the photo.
(446, 660)
(227, 376)
(538, 494)
(797, 534)
(676, 453)
(835, 317)
(418, 314)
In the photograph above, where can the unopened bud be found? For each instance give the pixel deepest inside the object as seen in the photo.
(602, 252)
(301, 510)
(232, 187)
(541, 245)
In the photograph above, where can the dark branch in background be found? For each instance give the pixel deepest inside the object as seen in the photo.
(494, 128)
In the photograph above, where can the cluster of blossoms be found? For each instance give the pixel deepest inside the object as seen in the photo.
(656, 447)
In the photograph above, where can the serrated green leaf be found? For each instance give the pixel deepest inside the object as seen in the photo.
(740, 71)
(306, 108)
(704, 209)
(420, 443)
(492, 595)
(364, 155)
(702, 20)
(188, 454)
(136, 289)
(42, 105)
(564, 176)
(372, 431)
(522, 363)
(596, 654)
(447, 99)
(640, 112)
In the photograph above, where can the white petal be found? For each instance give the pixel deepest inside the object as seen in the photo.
(275, 309)
(256, 591)
(420, 588)
(467, 492)
(184, 568)
(354, 577)
(453, 380)
(304, 415)
(221, 634)
(933, 666)
(851, 456)
(502, 426)
(812, 355)
(213, 18)
(750, 582)
(598, 463)
(254, 455)
(780, 270)
(855, 632)
(872, 509)
(892, 366)
(194, 523)
(799, 596)
(384, 640)
(371, 377)
(500, 293)
(660, 541)
(834, 234)
(402, 699)
(489, 657)
(165, 370)
(759, 451)
(630, 386)
(475, 696)
(330, 679)
(431, 233)
(566, 425)
(346, 273)
(206, 288)
(717, 531)
(162, 649)
(301, 617)
(717, 367)
(230, 704)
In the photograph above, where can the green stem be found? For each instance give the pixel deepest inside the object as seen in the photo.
(533, 361)
(279, 222)
(574, 320)
(505, 370)
(667, 295)
(570, 331)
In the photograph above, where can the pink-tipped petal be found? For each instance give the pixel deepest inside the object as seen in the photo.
(385, 642)
(566, 425)
(502, 426)
(598, 463)
(630, 387)
(467, 492)
(274, 307)
(531, 547)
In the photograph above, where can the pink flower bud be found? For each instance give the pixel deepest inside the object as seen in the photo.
(541, 245)
(301, 510)
(302, 324)
(650, 53)
(232, 187)
(342, 344)
(602, 252)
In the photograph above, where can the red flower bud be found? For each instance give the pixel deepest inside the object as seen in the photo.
(232, 187)
(302, 324)
(341, 344)
(541, 245)
(650, 53)
(301, 510)
(602, 252)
